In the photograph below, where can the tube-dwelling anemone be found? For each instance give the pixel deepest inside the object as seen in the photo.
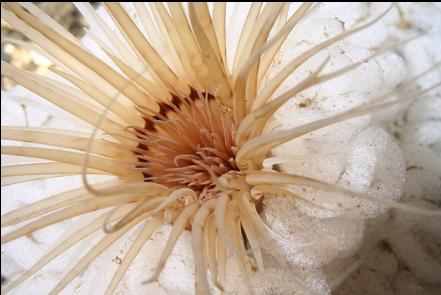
(181, 130)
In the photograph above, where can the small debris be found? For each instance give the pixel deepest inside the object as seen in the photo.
(117, 260)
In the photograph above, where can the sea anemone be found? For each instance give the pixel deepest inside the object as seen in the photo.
(187, 134)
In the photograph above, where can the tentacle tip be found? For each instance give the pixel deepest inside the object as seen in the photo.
(110, 229)
(149, 281)
(107, 231)
(219, 286)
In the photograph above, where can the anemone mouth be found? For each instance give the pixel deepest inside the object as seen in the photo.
(188, 144)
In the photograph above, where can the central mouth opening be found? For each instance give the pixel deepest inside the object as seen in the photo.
(188, 144)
